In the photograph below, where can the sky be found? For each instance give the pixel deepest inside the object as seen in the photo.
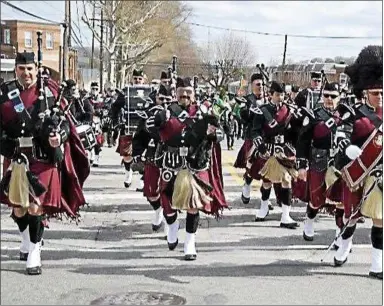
(320, 18)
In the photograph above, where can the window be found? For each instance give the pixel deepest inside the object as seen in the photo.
(28, 39)
(49, 40)
(7, 36)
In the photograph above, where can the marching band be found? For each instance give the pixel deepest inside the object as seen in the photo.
(313, 145)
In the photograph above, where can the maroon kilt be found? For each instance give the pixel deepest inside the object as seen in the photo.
(350, 199)
(124, 146)
(241, 160)
(257, 165)
(300, 190)
(216, 181)
(151, 180)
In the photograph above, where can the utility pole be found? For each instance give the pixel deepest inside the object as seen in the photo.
(66, 40)
(69, 25)
(285, 49)
(93, 40)
(101, 48)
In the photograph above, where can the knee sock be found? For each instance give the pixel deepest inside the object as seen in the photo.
(127, 166)
(311, 212)
(339, 217)
(286, 196)
(22, 222)
(348, 233)
(36, 228)
(170, 219)
(155, 204)
(248, 180)
(192, 223)
(265, 193)
(377, 237)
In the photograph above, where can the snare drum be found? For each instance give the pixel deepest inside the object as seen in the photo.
(87, 136)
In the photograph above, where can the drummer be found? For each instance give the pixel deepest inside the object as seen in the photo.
(81, 110)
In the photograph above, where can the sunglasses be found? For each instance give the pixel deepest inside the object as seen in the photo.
(333, 97)
(316, 80)
(258, 84)
(375, 93)
(162, 99)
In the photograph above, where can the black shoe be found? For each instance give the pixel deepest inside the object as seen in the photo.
(258, 219)
(140, 189)
(95, 165)
(172, 246)
(127, 185)
(307, 238)
(23, 256)
(339, 263)
(270, 207)
(244, 199)
(190, 257)
(361, 220)
(34, 271)
(292, 225)
(155, 228)
(378, 275)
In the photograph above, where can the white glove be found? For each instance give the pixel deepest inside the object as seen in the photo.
(353, 152)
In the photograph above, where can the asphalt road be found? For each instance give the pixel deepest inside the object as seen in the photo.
(112, 256)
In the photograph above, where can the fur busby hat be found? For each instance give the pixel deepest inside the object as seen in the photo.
(367, 71)
(163, 75)
(70, 83)
(333, 87)
(138, 73)
(256, 76)
(165, 90)
(94, 84)
(184, 82)
(25, 58)
(315, 75)
(276, 87)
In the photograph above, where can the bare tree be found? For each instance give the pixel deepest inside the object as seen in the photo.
(136, 28)
(231, 56)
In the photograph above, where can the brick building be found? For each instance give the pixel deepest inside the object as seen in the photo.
(18, 35)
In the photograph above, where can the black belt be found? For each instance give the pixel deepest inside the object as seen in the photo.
(28, 147)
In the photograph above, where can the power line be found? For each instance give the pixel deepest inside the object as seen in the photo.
(28, 13)
(279, 34)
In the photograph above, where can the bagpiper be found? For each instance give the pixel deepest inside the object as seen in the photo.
(315, 153)
(145, 149)
(273, 154)
(187, 133)
(248, 104)
(41, 150)
(360, 152)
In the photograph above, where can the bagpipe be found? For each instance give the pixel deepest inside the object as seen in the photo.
(51, 116)
(172, 75)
